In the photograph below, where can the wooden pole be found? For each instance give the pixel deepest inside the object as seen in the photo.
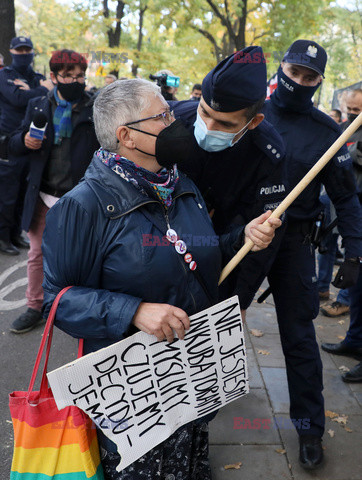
(297, 190)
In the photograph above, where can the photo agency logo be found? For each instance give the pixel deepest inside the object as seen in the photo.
(149, 240)
(104, 423)
(270, 57)
(93, 57)
(280, 423)
(107, 57)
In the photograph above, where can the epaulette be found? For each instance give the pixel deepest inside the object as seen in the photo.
(325, 119)
(268, 141)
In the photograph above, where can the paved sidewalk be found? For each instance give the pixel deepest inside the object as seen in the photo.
(272, 454)
(259, 450)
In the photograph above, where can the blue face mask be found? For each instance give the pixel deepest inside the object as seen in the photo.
(214, 140)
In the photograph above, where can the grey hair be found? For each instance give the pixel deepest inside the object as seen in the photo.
(119, 103)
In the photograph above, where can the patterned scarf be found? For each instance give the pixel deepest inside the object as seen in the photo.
(62, 119)
(160, 185)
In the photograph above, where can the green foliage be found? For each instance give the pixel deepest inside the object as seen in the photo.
(188, 36)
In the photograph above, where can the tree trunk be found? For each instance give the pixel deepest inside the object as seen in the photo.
(139, 41)
(7, 28)
(240, 37)
(114, 35)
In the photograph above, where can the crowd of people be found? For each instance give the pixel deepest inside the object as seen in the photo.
(88, 174)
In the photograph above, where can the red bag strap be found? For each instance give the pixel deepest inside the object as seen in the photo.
(47, 339)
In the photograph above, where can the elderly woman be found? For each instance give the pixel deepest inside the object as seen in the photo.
(104, 238)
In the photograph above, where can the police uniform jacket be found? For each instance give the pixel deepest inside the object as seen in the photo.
(307, 136)
(14, 100)
(354, 145)
(101, 238)
(239, 184)
(83, 145)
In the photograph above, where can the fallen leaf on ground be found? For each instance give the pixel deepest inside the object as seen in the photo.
(341, 322)
(341, 337)
(235, 466)
(331, 433)
(349, 430)
(320, 326)
(331, 414)
(343, 368)
(263, 352)
(256, 333)
(280, 450)
(342, 419)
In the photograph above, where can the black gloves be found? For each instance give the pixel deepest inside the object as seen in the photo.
(347, 274)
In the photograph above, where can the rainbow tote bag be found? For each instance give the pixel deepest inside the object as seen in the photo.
(51, 443)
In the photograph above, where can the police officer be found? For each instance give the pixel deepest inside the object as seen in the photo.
(351, 345)
(235, 157)
(307, 134)
(18, 84)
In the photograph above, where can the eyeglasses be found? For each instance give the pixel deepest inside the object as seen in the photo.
(70, 78)
(166, 116)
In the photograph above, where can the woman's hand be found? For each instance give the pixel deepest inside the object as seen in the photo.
(161, 320)
(261, 235)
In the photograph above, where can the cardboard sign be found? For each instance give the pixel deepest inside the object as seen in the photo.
(139, 391)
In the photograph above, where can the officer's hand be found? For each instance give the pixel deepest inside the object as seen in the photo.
(347, 274)
(47, 84)
(261, 235)
(161, 320)
(21, 84)
(32, 143)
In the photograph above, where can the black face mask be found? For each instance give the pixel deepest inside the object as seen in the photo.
(71, 91)
(292, 96)
(22, 61)
(351, 117)
(172, 144)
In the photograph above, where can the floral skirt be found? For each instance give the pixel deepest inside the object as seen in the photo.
(183, 456)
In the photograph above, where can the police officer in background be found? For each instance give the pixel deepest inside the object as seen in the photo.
(235, 157)
(307, 134)
(351, 345)
(196, 92)
(18, 84)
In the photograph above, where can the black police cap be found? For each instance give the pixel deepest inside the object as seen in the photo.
(307, 54)
(17, 42)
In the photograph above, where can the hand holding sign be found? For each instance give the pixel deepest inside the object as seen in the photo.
(139, 391)
(161, 320)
